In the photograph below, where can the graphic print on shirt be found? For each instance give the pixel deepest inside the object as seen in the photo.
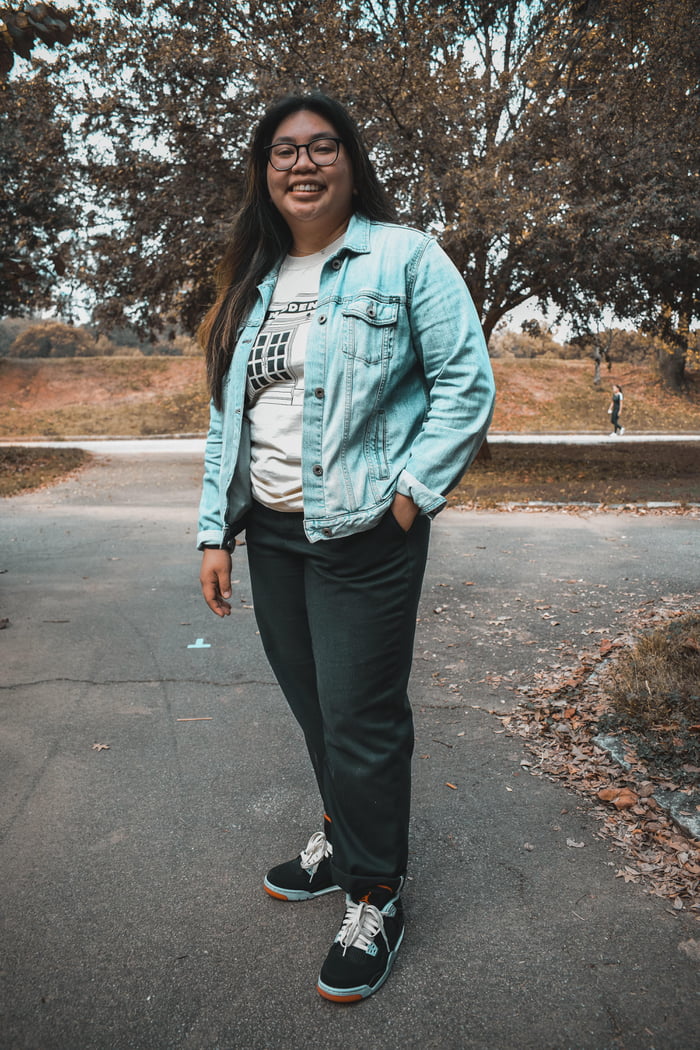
(272, 365)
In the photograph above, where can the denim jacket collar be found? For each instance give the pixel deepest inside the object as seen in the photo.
(357, 241)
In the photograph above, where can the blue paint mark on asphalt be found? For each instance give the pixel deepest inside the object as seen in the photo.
(199, 644)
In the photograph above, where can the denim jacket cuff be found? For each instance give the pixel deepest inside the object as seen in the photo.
(430, 503)
(209, 536)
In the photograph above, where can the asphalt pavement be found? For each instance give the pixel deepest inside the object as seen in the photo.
(151, 774)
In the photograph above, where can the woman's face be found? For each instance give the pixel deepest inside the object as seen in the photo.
(315, 201)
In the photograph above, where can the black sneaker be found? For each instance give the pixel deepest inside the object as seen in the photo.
(308, 875)
(363, 953)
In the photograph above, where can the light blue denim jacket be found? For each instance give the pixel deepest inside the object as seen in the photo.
(398, 389)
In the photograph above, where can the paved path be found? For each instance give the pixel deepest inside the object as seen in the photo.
(195, 445)
(131, 876)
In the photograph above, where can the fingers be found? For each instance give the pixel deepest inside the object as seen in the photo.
(215, 580)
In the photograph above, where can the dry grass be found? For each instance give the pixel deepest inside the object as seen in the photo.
(613, 473)
(658, 680)
(652, 692)
(165, 395)
(553, 396)
(102, 396)
(140, 397)
(23, 469)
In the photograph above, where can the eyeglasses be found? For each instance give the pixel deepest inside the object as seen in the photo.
(322, 152)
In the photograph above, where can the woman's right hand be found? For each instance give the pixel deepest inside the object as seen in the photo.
(215, 578)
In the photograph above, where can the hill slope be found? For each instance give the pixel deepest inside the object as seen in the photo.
(135, 396)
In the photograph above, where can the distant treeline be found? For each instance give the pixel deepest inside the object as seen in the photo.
(31, 338)
(608, 345)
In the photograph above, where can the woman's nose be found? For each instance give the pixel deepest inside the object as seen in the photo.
(308, 160)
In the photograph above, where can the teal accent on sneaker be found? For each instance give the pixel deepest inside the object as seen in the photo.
(364, 951)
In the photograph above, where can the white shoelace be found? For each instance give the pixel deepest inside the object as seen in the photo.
(316, 849)
(361, 925)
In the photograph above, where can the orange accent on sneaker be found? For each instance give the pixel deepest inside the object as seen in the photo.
(339, 998)
(368, 894)
(277, 896)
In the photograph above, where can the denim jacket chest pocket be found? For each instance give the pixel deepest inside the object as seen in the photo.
(370, 323)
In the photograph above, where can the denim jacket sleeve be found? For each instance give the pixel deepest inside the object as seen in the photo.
(449, 342)
(211, 527)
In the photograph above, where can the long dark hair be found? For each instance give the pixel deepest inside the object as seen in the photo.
(260, 236)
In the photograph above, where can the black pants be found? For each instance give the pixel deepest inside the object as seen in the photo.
(337, 619)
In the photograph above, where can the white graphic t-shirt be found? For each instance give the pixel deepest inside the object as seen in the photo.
(275, 385)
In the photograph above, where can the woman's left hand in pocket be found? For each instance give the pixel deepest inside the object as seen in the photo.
(404, 510)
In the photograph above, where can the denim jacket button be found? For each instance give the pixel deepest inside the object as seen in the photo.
(327, 532)
(336, 264)
(322, 319)
(319, 392)
(317, 469)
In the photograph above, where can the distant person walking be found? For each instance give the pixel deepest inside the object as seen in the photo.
(615, 409)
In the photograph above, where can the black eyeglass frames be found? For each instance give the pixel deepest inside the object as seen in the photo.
(322, 152)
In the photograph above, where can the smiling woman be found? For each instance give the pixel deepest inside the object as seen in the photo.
(351, 388)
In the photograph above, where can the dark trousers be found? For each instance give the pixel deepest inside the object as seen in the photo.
(337, 620)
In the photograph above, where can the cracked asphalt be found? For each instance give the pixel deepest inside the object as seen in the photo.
(133, 910)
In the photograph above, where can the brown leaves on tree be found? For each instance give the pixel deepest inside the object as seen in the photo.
(21, 28)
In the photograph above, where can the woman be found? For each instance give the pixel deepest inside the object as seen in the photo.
(351, 388)
(615, 409)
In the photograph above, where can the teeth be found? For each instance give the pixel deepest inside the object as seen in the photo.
(306, 187)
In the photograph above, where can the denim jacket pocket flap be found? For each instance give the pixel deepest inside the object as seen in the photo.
(373, 310)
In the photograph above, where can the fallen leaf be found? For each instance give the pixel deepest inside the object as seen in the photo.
(572, 844)
(453, 786)
(100, 747)
(621, 798)
(628, 874)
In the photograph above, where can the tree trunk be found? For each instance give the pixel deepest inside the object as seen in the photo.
(484, 453)
(671, 362)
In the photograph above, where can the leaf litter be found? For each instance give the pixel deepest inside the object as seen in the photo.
(559, 718)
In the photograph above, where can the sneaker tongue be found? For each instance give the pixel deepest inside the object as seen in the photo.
(379, 896)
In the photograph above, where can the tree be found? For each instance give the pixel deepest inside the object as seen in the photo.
(444, 91)
(633, 112)
(39, 212)
(503, 127)
(21, 28)
(53, 339)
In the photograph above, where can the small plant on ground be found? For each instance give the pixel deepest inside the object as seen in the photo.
(654, 690)
(659, 679)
